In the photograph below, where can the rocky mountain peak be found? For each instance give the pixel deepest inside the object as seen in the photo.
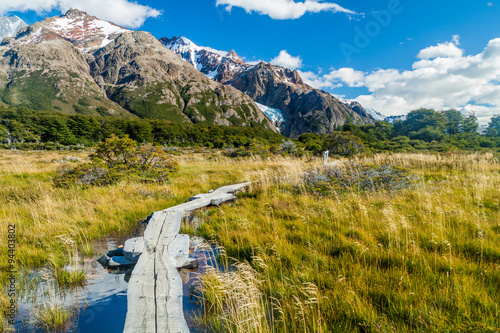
(278, 73)
(74, 13)
(234, 56)
(10, 26)
(85, 32)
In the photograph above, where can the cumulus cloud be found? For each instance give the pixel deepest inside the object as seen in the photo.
(444, 50)
(283, 9)
(349, 76)
(122, 12)
(318, 81)
(439, 80)
(284, 59)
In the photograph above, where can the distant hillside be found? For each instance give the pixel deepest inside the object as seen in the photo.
(304, 108)
(77, 63)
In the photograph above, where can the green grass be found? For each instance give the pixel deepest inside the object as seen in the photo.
(53, 318)
(426, 259)
(33, 90)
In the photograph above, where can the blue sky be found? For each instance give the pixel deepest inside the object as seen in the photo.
(320, 38)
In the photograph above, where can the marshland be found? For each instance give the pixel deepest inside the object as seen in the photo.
(376, 243)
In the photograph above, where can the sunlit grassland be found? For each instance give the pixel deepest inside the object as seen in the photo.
(425, 259)
(56, 226)
(422, 259)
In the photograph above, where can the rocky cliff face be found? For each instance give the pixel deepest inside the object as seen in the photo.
(78, 63)
(304, 109)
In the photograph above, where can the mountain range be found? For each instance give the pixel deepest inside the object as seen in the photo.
(77, 63)
(303, 108)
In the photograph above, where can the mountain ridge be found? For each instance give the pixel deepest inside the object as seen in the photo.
(116, 71)
(304, 108)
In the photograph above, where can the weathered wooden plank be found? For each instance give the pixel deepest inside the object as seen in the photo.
(154, 294)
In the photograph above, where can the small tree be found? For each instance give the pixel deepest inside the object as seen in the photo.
(470, 124)
(117, 158)
(343, 143)
(494, 125)
(124, 156)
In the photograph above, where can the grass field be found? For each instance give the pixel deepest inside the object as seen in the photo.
(423, 259)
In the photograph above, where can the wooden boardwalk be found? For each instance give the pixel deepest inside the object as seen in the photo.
(154, 294)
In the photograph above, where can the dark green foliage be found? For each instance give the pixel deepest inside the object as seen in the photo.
(494, 126)
(255, 147)
(343, 144)
(24, 128)
(116, 159)
(426, 130)
(36, 128)
(312, 142)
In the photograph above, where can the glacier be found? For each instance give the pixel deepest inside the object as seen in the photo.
(275, 115)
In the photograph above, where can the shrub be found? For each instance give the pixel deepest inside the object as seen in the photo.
(255, 147)
(343, 144)
(118, 158)
(86, 175)
(359, 177)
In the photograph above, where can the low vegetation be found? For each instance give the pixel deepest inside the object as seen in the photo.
(418, 259)
(373, 243)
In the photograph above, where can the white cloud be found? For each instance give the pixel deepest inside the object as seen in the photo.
(122, 12)
(283, 9)
(318, 81)
(444, 50)
(351, 77)
(284, 59)
(448, 80)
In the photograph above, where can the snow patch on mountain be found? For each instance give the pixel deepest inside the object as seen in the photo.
(375, 114)
(215, 64)
(393, 119)
(275, 115)
(352, 104)
(10, 26)
(81, 29)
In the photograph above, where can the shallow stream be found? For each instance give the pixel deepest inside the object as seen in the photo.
(101, 305)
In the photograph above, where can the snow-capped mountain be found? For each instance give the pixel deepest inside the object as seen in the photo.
(87, 33)
(279, 92)
(9, 26)
(359, 109)
(375, 114)
(218, 65)
(78, 63)
(393, 119)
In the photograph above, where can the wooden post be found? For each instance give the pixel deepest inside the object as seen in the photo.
(325, 158)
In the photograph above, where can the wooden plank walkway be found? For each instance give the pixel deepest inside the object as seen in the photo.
(154, 295)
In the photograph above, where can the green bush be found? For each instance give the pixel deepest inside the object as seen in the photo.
(120, 158)
(343, 144)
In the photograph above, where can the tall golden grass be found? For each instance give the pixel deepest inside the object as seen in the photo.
(423, 259)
